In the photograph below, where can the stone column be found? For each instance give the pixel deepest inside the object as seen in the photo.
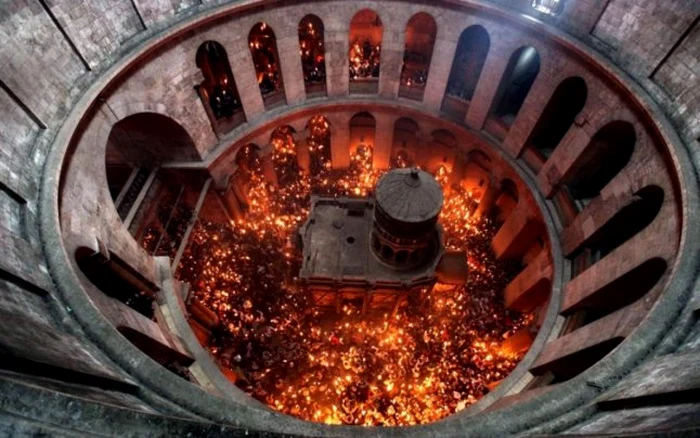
(486, 88)
(340, 140)
(488, 199)
(529, 114)
(229, 199)
(290, 64)
(383, 139)
(520, 229)
(246, 81)
(532, 286)
(303, 154)
(391, 59)
(337, 47)
(268, 167)
(562, 160)
(439, 73)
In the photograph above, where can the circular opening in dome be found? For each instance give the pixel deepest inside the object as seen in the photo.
(350, 240)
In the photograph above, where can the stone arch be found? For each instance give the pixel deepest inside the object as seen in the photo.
(142, 141)
(364, 57)
(218, 89)
(467, 65)
(313, 53)
(263, 48)
(362, 131)
(420, 35)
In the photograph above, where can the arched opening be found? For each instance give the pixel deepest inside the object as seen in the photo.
(365, 51)
(549, 7)
(470, 56)
(116, 279)
(284, 154)
(604, 157)
(421, 31)
(135, 147)
(566, 103)
(248, 159)
(625, 224)
(405, 141)
(520, 74)
(218, 91)
(440, 151)
(313, 54)
(263, 47)
(98, 269)
(319, 144)
(362, 135)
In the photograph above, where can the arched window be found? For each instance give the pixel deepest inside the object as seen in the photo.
(103, 273)
(549, 7)
(605, 156)
(313, 54)
(319, 143)
(520, 74)
(566, 103)
(469, 59)
(365, 51)
(284, 154)
(135, 146)
(263, 47)
(248, 159)
(362, 135)
(405, 140)
(218, 91)
(421, 31)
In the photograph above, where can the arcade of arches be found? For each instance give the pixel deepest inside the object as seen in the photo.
(175, 182)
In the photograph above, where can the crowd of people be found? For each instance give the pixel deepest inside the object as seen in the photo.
(415, 367)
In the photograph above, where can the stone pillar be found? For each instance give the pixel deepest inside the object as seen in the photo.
(439, 73)
(303, 154)
(488, 199)
(340, 140)
(528, 116)
(268, 167)
(391, 58)
(561, 162)
(561, 355)
(383, 139)
(229, 199)
(515, 236)
(532, 286)
(486, 88)
(246, 81)
(290, 64)
(458, 169)
(337, 47)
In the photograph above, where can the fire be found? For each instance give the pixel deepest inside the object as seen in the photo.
(414, 367)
